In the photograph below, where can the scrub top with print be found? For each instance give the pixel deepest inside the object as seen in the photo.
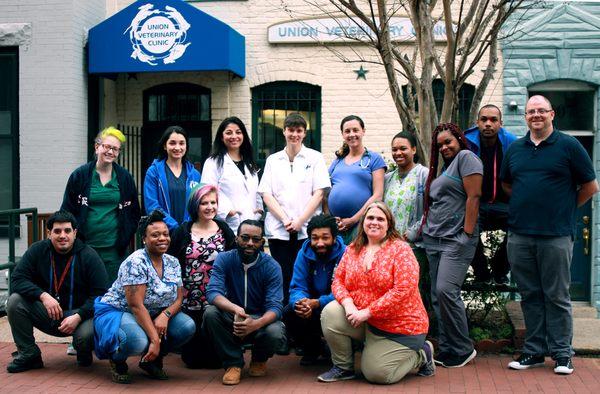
(137, 269)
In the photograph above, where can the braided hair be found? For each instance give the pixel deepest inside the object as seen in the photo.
(434, 158)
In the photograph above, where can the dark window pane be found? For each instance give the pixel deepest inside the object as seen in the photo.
(6, 175)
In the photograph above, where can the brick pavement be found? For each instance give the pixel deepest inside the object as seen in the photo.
(488, 374)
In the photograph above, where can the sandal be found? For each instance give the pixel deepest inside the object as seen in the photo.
(119, 372)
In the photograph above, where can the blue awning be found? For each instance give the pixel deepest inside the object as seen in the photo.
(164, 35)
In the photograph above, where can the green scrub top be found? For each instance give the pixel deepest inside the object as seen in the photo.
(102, 222)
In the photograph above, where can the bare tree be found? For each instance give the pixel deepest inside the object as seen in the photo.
(472, 30)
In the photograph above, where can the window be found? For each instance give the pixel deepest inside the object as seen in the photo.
(465, 98)
(9, 120)
(271, 103)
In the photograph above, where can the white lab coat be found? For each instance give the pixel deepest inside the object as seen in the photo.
(236, 191)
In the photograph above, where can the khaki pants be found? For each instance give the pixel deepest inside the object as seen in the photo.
(383, 360)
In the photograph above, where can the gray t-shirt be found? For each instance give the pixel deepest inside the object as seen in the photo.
(448, 197)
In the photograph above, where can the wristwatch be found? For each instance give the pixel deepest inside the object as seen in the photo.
(167, 313)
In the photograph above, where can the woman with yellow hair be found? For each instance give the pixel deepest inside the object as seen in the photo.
(103, 197)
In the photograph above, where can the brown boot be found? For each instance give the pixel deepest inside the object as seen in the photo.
(232, 376)
(257, 369)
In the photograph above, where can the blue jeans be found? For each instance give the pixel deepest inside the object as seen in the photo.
(134, 341)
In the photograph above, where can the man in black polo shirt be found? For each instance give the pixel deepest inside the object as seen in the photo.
(547, 174)
(490, 141)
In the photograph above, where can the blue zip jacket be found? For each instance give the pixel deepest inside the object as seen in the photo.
(257, 290)
(313, 276)
(107, 321)
(506, 138)
(156, 190)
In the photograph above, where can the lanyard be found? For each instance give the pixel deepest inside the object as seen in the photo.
(495, 185)
(55, 284)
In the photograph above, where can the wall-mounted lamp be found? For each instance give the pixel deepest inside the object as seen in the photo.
(512, 105)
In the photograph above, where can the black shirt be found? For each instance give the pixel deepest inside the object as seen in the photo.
(544, 181)
(491, 188)
(177, 193)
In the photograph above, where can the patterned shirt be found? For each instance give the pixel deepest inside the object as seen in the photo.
(137, 269)
(401, 195)
(390, 289)
(199, 258)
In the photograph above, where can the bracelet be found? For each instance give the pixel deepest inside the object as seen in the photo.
(167, 313)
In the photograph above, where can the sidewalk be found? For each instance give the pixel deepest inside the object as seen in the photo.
(487, 374)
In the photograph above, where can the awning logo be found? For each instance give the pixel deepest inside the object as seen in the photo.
(157, 35)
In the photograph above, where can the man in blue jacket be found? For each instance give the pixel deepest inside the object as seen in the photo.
(245, 292)
(490, 141)
(310, 289)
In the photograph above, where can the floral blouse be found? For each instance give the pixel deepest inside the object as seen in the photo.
(199, 258)
(400, 195)
(390, 289)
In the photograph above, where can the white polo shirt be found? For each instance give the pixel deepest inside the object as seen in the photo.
(292, 184)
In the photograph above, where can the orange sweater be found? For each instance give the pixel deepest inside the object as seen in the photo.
(390, 289)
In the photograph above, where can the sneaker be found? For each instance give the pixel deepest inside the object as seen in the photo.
(428, 367)
(84, 359)
(336, 374)
(526, 361)
(232, 376)
(22, 364)
(154, 369)
(71, 350)
(439, 359)
(119, 372)
(563, 366)
(257, 369)
(453, 361)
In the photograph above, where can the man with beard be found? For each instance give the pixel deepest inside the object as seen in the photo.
(53, 289)
(310, 289)
(245, 293)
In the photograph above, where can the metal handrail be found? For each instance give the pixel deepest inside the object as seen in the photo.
(13, 214)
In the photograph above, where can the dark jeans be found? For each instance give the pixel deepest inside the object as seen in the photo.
(24, 315)
(491, 217)
(284, 252)
(199, 352)
(219, 326)
(305, 332)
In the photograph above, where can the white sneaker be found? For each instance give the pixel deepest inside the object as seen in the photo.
(71, 350)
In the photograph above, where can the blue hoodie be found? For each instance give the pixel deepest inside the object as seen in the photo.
(258, 289)
(313, 276)
(156, 190)
(506, 138)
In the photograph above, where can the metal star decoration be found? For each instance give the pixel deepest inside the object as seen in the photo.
(361, 73)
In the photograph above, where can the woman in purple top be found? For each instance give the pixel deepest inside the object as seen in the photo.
(357, 177)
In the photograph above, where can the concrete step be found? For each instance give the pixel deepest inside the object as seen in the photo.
(585, 329)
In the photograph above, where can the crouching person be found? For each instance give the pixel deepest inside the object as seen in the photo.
(310, 290)
(53, 289)
(139, 315)
(376, 287)
(245, 293)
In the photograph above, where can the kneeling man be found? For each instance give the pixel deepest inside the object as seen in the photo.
(310, 289)
(53, 289)
(245, 293)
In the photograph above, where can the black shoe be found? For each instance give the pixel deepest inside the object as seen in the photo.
(502, 281)
(563, 366)
(526, 361)
(454, 361)
(440, 358)
(309, 359)
(84, 359)
(22, 364)
(154, 369)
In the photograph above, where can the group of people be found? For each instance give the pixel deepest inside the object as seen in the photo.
(348, 250)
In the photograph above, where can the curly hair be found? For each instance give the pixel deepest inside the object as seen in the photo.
(322, 220)
(155, 216)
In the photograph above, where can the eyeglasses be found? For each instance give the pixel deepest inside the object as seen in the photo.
(109, 148)
(540, 111)
(247, 238)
